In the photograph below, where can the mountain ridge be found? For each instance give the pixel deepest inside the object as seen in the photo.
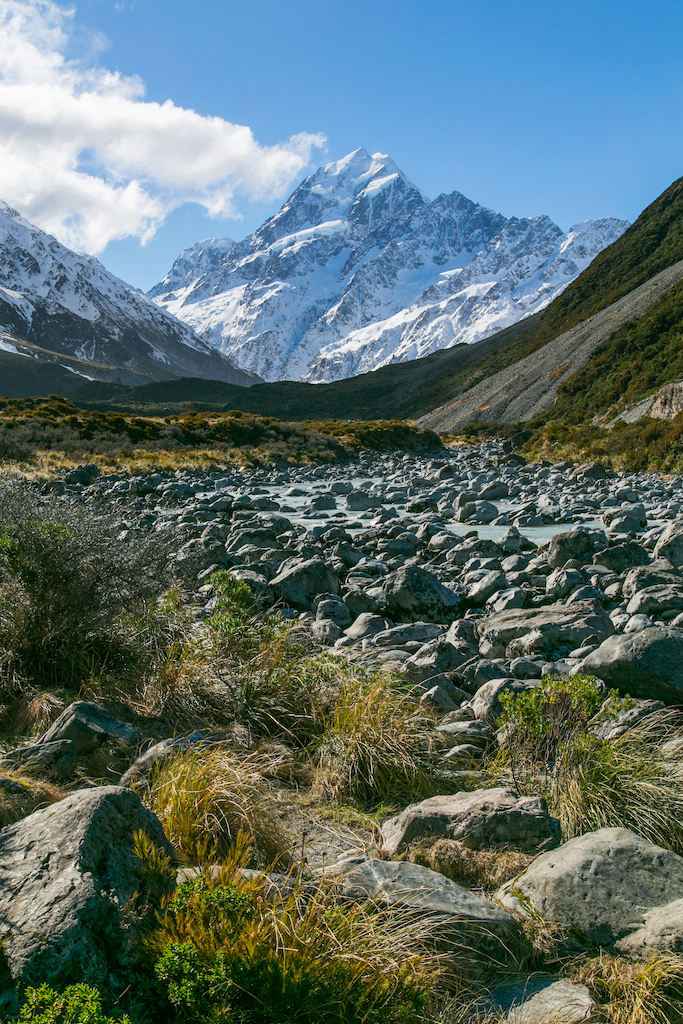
(56, 304)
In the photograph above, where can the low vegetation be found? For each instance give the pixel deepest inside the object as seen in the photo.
(552, 747)
(53, 433)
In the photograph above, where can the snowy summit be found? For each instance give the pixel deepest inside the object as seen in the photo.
(360, 269)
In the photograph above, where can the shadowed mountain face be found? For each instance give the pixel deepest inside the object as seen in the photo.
(360, 270)
(65, 308)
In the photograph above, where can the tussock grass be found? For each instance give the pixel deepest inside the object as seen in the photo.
(239, 949)
(204, 798)
(21, 795)
(486, 870)
(377, 747)
(634, 991)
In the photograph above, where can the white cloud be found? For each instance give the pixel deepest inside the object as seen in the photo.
(86, 157)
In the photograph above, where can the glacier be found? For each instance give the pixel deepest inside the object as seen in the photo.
(359, 269)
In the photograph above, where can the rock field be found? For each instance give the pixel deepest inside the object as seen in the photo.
(469, 576)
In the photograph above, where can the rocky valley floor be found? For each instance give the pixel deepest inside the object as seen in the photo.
(413, 719)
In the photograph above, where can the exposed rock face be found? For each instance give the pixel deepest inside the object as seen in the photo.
(668, 402)
(65, 872)
(481, 819)
(602, 886)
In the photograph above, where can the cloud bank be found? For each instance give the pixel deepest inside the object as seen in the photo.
(86, 157)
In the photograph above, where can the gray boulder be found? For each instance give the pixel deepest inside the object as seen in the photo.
(559, 626)
(579, 543)
(479, 820)
(599, 885)
(670, 544)
(486, 703)
(544, 1000)
(158, 754)
(647, 664)
(657, 573)
(657, 599)
(417, 889)
(199, 554)
(298, 585)
(65, 873)
(88, 726)
(413, 593)
(57, 757)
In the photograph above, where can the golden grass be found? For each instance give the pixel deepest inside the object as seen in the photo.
(474, 869)
(21, 795)
(634, 991)
(205, 797)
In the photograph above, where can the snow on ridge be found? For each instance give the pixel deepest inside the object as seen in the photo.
(359, 269)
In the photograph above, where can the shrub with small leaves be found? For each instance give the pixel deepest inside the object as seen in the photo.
(78, 1004)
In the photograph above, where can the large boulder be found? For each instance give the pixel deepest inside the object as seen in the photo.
(413, 593)
(656, 600)
(539, 1000)
(556, 627)
(299, 584)
(88, 726)
(645, 664)
(670, 544)
(659, 572)
(579, 543)
(600, 885)
(479, 820)
(65, 873)
(417, 889)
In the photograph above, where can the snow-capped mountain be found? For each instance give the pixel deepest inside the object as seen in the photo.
(56, 304)
(359, 269)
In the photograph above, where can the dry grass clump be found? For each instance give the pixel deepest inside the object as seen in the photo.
(21, 795)
(377, 747)
(634, 991)
(474, 869)
(232, 948)
(204, 798)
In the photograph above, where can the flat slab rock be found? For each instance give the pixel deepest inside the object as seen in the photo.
(611, 888)
(480, 819)
(65, 872)
(419, 889)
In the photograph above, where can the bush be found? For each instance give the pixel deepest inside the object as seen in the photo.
(234, 949)
(205, 798)
(539, 722)
(78, 1004)
(377, 748)
(65, 583)
(551, 747)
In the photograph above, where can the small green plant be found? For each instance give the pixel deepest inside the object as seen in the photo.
(78, 1004)
(539, 721)
(241, 950)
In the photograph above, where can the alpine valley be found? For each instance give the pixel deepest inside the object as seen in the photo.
(359, 269)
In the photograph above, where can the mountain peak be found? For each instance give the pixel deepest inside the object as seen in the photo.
(358, 268)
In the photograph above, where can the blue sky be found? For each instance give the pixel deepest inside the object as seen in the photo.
(567, 108)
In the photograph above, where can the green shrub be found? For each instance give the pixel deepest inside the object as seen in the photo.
(235, 949)
(78, 1004)
(538, 722)
(551, 748)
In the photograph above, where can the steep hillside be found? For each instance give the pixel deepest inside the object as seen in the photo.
(59, 306)
(359, 270)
